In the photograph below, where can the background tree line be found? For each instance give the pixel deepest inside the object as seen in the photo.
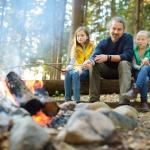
(42, 29)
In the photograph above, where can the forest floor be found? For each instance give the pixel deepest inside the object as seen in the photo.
(137, 139)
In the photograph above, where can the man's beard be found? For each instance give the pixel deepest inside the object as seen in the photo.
(115, 37)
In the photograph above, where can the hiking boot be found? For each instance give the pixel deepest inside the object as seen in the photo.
(144, 107)
(92, 100)
(132, 93)
(124, 102)
(68, 100)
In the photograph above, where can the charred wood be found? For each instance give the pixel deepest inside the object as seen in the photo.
(18, 88)
(27, 99)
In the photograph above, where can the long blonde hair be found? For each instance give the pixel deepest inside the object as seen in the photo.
(75, 42)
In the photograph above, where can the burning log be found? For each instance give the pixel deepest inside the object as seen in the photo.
(24, 97)
(27, 99)
(18, 88)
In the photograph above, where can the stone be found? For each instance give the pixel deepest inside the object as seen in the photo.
(95, 126)
(120, 121)
(127, 110)
(26, 134)
(92, 106)
(70, 105)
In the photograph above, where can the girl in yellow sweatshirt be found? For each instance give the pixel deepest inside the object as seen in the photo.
(74, 72)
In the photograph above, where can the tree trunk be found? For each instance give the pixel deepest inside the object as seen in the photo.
(113, 8)
(77, 18)
(77, 14)
(138, 12)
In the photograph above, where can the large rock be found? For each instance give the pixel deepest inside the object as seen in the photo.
(86, 126)
(70, 105)
(97, 105)
(92, 106)
(119, 120)
(5, 122)
(127, 110)
(26, 134)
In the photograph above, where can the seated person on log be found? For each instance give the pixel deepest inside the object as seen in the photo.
(141, 69)
(112, 59)
(74, 72)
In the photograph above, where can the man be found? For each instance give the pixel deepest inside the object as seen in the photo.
(112, 59)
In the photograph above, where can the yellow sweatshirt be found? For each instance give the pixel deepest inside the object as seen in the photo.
(79, 55)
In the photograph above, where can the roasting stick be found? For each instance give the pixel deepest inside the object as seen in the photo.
(48, 64)
(41, 63)
(53, 65)
(32, 65)
(21, 66)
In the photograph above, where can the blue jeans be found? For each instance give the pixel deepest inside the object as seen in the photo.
(142, 78)
(72, 82)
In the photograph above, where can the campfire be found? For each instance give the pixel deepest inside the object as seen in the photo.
(41, 118)
(31, 96)
(31, 116)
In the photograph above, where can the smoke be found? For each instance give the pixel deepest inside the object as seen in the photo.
(26, 33)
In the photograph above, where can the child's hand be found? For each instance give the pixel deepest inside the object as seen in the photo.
(145, 61)
(63, 71)
(79, 69)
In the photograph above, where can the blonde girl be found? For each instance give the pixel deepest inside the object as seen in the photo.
(81, 50)
(141, 69)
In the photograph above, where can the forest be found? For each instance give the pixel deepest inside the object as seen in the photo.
(35, 44)
(35, 35)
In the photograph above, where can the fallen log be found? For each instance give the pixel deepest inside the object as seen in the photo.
(57, 86)
(107, 86)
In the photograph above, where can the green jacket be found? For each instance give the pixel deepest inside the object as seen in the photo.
(138, 59)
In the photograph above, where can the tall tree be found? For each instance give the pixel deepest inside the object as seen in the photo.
(77, 14)
(138, 14)
(113, 8)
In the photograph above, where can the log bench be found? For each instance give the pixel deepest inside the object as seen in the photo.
(107, 86)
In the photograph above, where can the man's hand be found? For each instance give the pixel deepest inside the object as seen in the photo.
(101, 58)
(87, 64)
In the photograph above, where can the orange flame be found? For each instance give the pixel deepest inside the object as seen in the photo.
(41, 118)
(38, 84)
(33, 85)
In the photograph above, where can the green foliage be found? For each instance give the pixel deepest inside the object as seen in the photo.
(145, 21)
(58, 94)
(99, 12)
(28, 33)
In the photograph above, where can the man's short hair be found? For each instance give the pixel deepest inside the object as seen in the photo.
(118, 19)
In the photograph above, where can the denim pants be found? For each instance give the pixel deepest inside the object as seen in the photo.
(142, 78)
(72, 82)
